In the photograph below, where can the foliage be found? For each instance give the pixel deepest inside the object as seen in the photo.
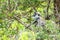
(13, 12)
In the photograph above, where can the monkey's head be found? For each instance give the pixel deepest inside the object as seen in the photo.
(38, 19)
(36, 15)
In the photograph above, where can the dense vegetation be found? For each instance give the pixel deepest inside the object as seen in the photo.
(15, 15)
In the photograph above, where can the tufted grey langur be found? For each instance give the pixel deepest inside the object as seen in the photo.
(38, 20)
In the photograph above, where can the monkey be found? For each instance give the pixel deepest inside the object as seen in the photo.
(38, 20)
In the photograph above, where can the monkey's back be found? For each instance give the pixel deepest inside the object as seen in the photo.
(41, 22)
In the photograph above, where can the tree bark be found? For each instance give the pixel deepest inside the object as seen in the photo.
(57, 11)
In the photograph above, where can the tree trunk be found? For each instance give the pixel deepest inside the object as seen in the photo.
(57, 11)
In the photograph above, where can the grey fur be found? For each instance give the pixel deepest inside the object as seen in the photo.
(39, 21)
